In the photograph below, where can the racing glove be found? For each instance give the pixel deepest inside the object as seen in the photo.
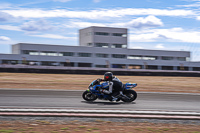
(99, 80)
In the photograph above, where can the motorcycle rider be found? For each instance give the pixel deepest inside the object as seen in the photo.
(115, 86)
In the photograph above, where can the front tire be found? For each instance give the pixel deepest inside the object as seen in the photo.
(88, 96)
(130, 94)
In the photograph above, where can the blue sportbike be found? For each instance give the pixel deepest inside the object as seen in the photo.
(93, 92)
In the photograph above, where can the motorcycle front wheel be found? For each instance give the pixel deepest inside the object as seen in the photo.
(88, 96)
(131, 95)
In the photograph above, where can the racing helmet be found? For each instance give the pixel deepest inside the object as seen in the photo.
(108, 76)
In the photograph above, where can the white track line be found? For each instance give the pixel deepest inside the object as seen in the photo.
(101, 111)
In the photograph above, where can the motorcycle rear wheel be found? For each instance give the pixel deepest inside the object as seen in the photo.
(131, 94)
(88, 96)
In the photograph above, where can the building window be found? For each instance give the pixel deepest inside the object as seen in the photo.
(181, 58)
(88, 34)
(120, 34)
(167, 68)
(196, 68)
(30, 52)
(135, 67)
(119, 46)
(12, 62)
(119, 66)
(118, 56)
(66, 54)
(102, 33)
(182, 68)
(49, 63)
(187, 58)
(67, 64)
(43, 53)
(25, 52)
(33, 53)
(84, 65)
(52, 54)
(167, 58)
(103, 45)
(149, 58)
(137, 57)
(102, 55)
(101, 66)
(89, 44)
(48, 53)
(152, 67)
(32, 63)
(84, 54)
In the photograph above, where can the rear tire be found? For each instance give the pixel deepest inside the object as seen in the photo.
(131, 94)
(88, 96)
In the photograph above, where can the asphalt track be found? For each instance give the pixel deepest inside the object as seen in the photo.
(70, 103)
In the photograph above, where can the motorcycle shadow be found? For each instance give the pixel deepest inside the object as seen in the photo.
(107, 102)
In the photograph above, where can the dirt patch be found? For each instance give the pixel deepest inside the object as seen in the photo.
(40, 126)
(81, 82)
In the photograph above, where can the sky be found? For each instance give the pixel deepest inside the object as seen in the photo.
(152, 24)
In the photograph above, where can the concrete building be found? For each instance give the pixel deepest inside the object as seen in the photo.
(100, 47)
(103, 37)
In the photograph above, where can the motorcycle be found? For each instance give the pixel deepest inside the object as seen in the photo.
(93, 92)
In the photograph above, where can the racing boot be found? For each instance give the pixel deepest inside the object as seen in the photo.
(114, 98)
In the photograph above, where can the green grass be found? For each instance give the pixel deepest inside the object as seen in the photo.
(65, 128)
(82, 127)
(165, 129)
(94, 128)
(6, 131)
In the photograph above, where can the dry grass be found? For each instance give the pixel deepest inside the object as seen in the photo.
(94, 127)
(81, 82)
